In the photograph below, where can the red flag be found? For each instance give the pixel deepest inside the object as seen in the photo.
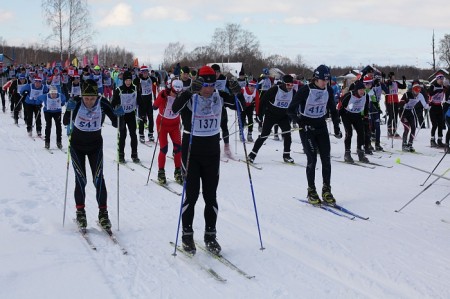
(96, 59)
(136, 63)
(67, 63)
(85, 61)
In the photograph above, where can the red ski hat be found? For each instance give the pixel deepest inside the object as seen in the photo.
(253, 83)
(367, 79)
(144, 68)
(207, 73)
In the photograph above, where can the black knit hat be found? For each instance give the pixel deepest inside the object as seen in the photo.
(90, 88)
(127, 75)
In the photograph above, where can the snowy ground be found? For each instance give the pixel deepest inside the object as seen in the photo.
(309, 253)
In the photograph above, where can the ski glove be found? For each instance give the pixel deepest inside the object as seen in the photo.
(119, 111)
(197, 85)
(69, 129)
(234, 86)
(71, 104)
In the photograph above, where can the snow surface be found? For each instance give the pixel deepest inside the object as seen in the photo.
(309, 253)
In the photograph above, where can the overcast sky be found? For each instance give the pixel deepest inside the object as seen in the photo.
(337, 33)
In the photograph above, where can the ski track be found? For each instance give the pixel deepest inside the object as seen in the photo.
(308, 251)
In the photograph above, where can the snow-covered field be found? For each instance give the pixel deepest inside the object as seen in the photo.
(309, 253)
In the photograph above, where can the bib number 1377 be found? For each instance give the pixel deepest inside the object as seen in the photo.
(207, 123)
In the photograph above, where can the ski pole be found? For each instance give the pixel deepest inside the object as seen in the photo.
(439, 201)
(118, 155)
(186, 173)
(396, 127)
(446, 151)
(421, 170)
(67, 168)
(156, 145)
(412, 199)
(241, 128)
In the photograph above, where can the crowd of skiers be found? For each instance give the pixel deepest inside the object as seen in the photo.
(192, 110)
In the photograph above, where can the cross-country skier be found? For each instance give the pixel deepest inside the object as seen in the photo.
(86, 142)
(202, 106)
(273, 110)
(168, 124)
(309, 109)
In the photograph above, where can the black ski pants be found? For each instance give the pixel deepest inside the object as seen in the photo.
(313, 140)
(128, 120)
(268, 123)
(95, 158)
(49, 116)
(146, 115)
(350, 121)
(204, 169)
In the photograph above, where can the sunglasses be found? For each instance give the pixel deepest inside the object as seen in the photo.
(439, 77)
(209, 84)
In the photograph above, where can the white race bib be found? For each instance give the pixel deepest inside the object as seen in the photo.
(89, 120)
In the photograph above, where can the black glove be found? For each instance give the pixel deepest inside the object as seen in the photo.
(234, 86)
(197, 85)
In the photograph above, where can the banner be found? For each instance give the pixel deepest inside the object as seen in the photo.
(75, 62)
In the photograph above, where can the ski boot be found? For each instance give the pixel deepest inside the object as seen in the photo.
(313, 197)
(178, 176)
(135, 158)
(348, 157)
(59, 145)
(81, 218)
(362, 158)
(439, 143)
(103, 219)
(30, 134)
(151, 138)
(141, 138)
(411, 149)
(211, 243)
(249, 137)
(433, 143)
(276, 137)
(227, 151)
(327, 197)
(405, 147)
(368, 151)
(187, 241)
(39, 133)
(288, 159)
(251, 157)
(121, 158)
(47, 145)
(162, 176)
(378, 147)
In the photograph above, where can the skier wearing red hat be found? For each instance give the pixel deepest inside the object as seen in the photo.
(251, 96)
(202, 107)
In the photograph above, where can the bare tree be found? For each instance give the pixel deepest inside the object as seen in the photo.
(444, 50)
(173, 54)
(433, 52)
(70, 24)
(79, 27)
(53, 11)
